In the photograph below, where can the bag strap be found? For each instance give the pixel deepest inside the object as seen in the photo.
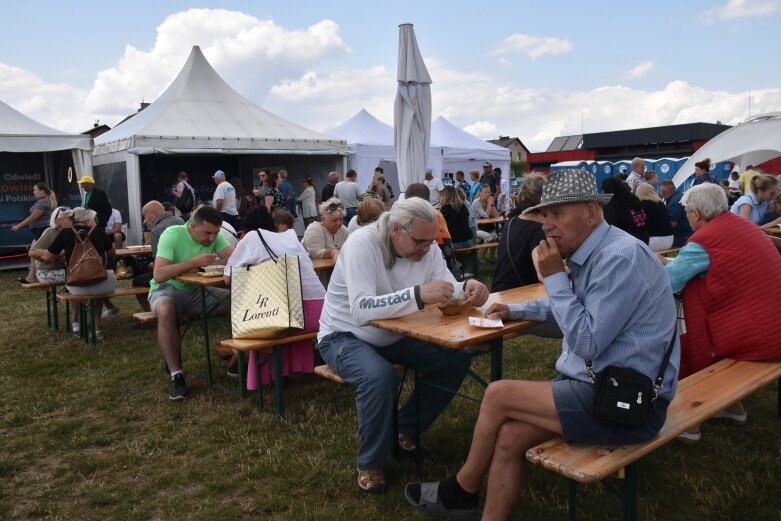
(509, 254)
(271, 253)
(657, 385)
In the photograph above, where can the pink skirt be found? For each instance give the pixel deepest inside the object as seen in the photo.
(298, 357)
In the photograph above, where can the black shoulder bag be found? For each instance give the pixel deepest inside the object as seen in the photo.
(624, 396)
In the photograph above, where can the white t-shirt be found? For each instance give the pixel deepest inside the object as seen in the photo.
(227, 193)
(229, 232)
(347, 192)
(362, 289)
(435, 186)
(250, 251)
(116, 217)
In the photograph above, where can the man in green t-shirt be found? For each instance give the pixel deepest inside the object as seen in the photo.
(181, 249)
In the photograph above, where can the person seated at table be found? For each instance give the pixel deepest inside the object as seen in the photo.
(660, 233)
(474, 176)
(52, 272)
(299, 356)
(754, 204)
(456, 216)
(183, 249)
(484, 208)
(369, 210)
(624, 210)
(389, 269)
(675, 212)
(730, 277)
(154, 215)
(114, 229)
(283, 219)
(444, 241)
(521, 234)
(84, 224)
(615, 308)
(323, 239)
(772, 217)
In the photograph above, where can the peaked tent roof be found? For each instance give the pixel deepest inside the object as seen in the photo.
(200, 113)
(19, 133)
(754, 141)
(445, 134)
(364, 129)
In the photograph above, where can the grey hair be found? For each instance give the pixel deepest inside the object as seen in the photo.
(403, 214)
(59, 213)
(637, 161)
(82, 215)
(323, 208)
(708, 198)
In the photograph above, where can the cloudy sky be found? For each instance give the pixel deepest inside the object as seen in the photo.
(535, 70)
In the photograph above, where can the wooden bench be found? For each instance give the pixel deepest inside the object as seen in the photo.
(698, 398)
(50, 291)
(472, 252)
(86, 305)
(148, 318)
(272, 346)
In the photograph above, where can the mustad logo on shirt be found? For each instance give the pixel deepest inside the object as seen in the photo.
(371, 303)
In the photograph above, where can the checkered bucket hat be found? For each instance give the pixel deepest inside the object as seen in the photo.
(569, 186)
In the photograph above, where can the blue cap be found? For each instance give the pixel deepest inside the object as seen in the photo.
(429, 170)
(219, 173)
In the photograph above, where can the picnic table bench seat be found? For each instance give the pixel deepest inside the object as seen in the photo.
(699, 397)
(86, 305)
(50, 292)
(272, 346)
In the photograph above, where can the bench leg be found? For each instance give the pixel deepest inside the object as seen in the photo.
(278, 389)
(205, 317)
(572, 499)
(259, 387)
(496, 359)
(629, 494)
(242, 384)
(55, 313)
(93, 337)
(48, 310)
(419, 446)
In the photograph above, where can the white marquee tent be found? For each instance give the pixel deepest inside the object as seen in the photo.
(20, 134)
(199, 113)
(370, 143)
(754, 141)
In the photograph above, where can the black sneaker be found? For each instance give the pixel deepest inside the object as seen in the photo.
(178, 387)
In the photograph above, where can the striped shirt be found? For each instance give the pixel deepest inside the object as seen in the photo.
(616, 308)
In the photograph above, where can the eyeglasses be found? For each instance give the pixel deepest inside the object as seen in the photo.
(421, 244)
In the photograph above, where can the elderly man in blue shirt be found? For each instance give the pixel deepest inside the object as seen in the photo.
(613, 302)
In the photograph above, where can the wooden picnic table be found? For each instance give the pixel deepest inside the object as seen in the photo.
(323, 264)
(146, 249)
(455, 332)
(198, 279)
(492, 220)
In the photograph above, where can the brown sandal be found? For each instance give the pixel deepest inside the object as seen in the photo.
(372, 480)
(407, 442)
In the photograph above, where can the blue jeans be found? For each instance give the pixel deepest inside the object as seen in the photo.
(368, 369)
(349, 213)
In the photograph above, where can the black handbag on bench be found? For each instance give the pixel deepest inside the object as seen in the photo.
(624, 396)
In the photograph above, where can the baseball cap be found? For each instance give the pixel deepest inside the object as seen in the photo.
(219, 173)
(86, 179)
(429, 170)
(487, 163)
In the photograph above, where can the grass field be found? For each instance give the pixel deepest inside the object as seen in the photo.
(88, 433)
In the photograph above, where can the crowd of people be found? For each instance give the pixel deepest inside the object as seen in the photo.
(609, 296)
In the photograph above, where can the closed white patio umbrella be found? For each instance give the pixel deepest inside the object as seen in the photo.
(412, 110)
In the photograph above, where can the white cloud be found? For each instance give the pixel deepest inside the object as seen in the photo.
(278, 69)
(532, 46)
(639, 71)
(734, 9)
(504, 62)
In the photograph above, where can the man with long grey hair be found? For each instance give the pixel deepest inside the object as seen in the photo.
(390, 269)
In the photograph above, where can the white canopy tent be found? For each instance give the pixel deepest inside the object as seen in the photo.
(370, 143)
(20, 134)
(201, 114)
(754, 141)
(455, 149)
